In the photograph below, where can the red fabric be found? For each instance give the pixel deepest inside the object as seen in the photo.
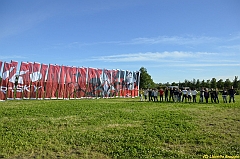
(4, 82)
(55, 79)
(61, 86)
(12, 77)
(91, 82)
(23, 81)
(81, 80)
(73, 82)
(68, 82)
(42, 82)
(34, 76)
(49, 82)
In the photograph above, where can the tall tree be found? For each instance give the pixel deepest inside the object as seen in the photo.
(236, 82)
(213, 83)
(145, 79)
(220, 84)
(227, 83)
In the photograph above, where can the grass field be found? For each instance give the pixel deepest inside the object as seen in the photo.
(118, 128)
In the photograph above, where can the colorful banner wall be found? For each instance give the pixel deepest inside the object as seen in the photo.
(41, 81)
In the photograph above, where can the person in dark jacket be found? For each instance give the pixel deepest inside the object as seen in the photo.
(231, 93)
(206, 95)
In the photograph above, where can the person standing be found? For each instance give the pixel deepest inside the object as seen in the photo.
(145, 94)
(175, 93)
(141, 94)
(150, 95)
(201, 96)
(194, 95)
(179, 95)
(171, 94)
(166, 94)
(184, 92)
(231, 93)
(224, 95)
(155, 95)
(215, 92)
(206, 95)
(161, 92)
(212, 95)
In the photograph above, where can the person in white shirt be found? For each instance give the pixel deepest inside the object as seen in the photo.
(194, 94)
(184, 92)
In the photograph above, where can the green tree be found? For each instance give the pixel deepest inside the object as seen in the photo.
(227, 83)
(236, 82)
(220, 84)
(145, 79)
(213, 83)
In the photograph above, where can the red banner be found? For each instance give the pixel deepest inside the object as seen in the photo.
(55, 80)
(0, 66)
(34, 77)
(115, 82)
(41, 83)
(92, 80)
(22, 78)
(98, 82)
(122, 83)
(73, 82)
(4, 82)
(61, 86)
(81, 80)
(68, 82)
(49, 82)
(12, 77)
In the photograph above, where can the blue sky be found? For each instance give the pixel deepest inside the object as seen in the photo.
(173, 40)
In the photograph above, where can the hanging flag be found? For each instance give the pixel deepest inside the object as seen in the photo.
(92, 82)
(34, 77)
(129, 83)
(12, 80)
(42, 81)
(137, 83)
(61, 86)
(68, 83)
(22, 78)
(73, 82)
(5, 80)
(122, 83)
(115, 82)
(0, 66)
(55, 80)
(82, 80)
(106, 85)
(49, 81)
(98, 82)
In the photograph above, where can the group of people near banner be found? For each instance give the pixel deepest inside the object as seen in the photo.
(175, 94)
(41, 81)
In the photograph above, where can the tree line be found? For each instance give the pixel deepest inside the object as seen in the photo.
(146, 81)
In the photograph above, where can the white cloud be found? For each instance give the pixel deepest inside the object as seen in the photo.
(152, 56)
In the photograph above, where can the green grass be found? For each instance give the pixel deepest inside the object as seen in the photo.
(118, 128)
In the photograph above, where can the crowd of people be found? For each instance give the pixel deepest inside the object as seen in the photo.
(176, 94)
